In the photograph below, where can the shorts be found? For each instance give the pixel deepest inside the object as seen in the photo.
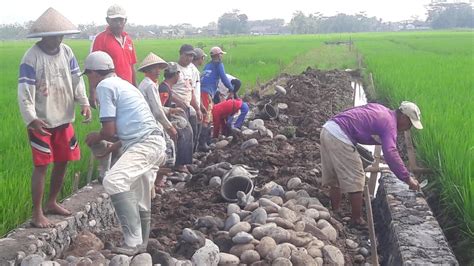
(60, 146)
(341, 164)
(206, 100)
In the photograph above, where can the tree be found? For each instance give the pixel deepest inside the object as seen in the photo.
(233, 23)
(450, 15)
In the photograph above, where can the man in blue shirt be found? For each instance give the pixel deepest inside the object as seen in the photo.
(127, 118)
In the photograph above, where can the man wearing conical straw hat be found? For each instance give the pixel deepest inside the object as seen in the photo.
(48, 87)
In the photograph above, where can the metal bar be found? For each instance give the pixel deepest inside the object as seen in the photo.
(417, 170)
(370, 221)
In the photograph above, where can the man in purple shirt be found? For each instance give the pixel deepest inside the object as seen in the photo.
(371, 124)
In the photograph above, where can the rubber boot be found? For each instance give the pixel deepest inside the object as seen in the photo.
(145, 218)
(203, 139)
(126, 208)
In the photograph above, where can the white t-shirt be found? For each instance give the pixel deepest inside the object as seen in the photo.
(196, 83)
(184, 89)
(222, 88)
(337, 132)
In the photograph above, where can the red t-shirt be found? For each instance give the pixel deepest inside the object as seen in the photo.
(124, 57)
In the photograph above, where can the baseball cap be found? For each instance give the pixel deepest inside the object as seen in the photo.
(172, 68)
(116, 11)
(216, 50)
(98, 60)
(413, 112)
(198, 53)
(187, 49)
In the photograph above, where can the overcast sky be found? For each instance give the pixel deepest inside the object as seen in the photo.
(201, 12)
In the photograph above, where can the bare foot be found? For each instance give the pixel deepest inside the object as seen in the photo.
(182, 169)
(56, 208)
(40, 221)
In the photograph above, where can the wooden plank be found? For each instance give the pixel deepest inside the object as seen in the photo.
(370, 222)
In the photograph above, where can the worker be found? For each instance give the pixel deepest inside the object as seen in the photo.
(221, 113)
(371, 124)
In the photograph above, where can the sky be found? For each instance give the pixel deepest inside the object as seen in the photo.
(201, 12)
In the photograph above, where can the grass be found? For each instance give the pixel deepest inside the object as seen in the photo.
(435, 70)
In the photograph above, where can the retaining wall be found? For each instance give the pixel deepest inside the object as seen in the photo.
(407, 231)
(92, 210)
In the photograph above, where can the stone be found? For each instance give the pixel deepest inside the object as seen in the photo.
(251, 206)
(364, 252)
(183, 263)
(50, 263)
(312, 213)
(248, 132)
(299, 226)
(324, 215)
(319, 261)
(243, 214)
(237, 250)
(288, 214)
(277, 200)
(266, 202)
(207, 255)
(96, 257)
(264, 230)
(330, 232)
(302, 194)
(359, 258)
(332, 255)
(266, 245)
(315, 231)
(233, 208)
(282, 262)
(141, 259)
(279, 234)
(280, 137)
(193, 237)
(239, 227)
(226, 259)
(268, 133)
(300, 239)
(271, 209)
(259, 216)
(281, 222)
(249, 144)
(87, 261)
(280, 251)
(32, 260)
(323, 223)
(215, 181)
(231, 221)
(290, 195)
(242, 238)
(351, 244)
(210, 222)
(318, 207)
(119, 260)
(222, 144)
(83, 243)
(160, 257)
(293, 183)
(277, 191)
(223, 241)
(255, 124)
(299, 258)
(249, 256)
(315, 252)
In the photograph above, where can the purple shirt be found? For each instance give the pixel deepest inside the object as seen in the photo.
(374, 124)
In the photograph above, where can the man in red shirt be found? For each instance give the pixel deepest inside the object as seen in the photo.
(118, 44)
(221, 112)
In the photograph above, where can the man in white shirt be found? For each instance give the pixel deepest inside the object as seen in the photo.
(203, 134)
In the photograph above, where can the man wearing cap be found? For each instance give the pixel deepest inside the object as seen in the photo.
(212, 73)
(118, 44)
(126, 117)
(203, 133)
(48, 87)
(371, 124)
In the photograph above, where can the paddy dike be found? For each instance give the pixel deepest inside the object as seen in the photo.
(287, 158)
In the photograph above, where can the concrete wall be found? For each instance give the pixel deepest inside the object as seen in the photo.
(407, 231)
(92, 210)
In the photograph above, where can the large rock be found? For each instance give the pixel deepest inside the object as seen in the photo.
(193, 236)
(299, 258)
(120, 260)
(141, 259)
(315, 231)
(242, 238)
(259, 216)
(239, 227)
(333, 255)
(330, 232)
(251, 206)
(288, 214)
(280, 251)
(264, 230)
(232, 220)
(249, 144)
(215, 181)
(266, 245)
(32, 260)
(232, 208)
(282, 262)
(300, 239)
(83, 243)
(315, 252)
(222, 144)
(207, 255)
(312, 213)
(279, 234)
(293, 183)
(281, 222)
(351, 244)
(237, 250)
(210, 222)
(255, 124)
(226, 259)
(223, 241)
(268, 203)
(249, 256)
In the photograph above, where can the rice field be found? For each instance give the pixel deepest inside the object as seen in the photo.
(433, 69)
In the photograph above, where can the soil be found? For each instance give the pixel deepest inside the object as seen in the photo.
(312, 98)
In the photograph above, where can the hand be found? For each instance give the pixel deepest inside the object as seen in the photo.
(413, 183)
(39, 126)
(86, 112)
(176, 111)
(173, 133)
(93, 138)
(199, 116)
(92, 102)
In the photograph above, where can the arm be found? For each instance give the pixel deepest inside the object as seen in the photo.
(27, 93)
(156, 107)
(223, 77)
(134, 78)
(392, 156)
(79, 88)
(196, 107)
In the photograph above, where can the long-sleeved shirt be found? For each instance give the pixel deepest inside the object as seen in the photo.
(49, 85)
(374, 124)
(212, 73)
(149, 90)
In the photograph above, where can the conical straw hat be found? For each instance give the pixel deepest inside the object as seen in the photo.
(51, 23)
(152, 59)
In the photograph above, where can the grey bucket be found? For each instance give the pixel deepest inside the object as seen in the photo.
(268, 112)
(235, 180)
(365, 155)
